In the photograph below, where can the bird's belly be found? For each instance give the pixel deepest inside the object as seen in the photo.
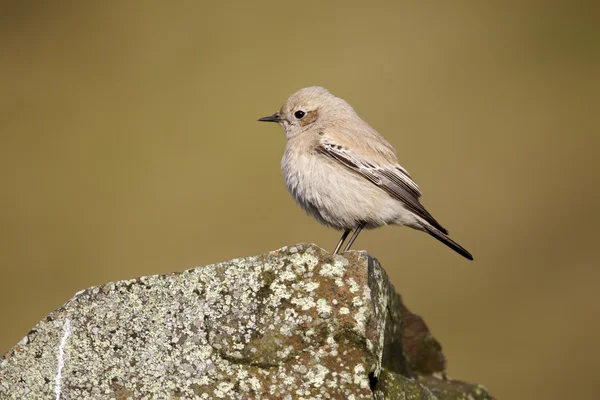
(337, 196)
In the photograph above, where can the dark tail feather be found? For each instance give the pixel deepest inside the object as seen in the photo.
(446, 240)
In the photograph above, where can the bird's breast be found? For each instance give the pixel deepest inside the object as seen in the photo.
(305, 179)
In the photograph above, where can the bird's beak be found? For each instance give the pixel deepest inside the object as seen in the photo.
(271, 118)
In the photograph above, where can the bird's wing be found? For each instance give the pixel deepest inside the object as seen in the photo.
(392, 178)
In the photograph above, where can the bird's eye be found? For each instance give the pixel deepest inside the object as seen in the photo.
(299, 114)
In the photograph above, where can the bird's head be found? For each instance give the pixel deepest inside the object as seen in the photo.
(308, 108)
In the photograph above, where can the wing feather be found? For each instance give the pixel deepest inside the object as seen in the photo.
(392, 178)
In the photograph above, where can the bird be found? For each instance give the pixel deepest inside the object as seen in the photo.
(346, 175)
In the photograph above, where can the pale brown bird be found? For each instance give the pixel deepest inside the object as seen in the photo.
(344, 173)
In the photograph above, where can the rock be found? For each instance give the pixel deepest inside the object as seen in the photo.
(297, 323)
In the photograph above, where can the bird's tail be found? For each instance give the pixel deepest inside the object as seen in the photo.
(442, 237)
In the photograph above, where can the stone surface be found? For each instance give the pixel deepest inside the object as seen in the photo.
(296, 323)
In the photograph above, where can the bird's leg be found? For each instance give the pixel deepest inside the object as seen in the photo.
(353, 238)
(342, 240)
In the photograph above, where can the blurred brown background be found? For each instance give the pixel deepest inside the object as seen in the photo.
(129, 146)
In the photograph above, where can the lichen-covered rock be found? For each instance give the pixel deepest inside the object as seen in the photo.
(297, 323)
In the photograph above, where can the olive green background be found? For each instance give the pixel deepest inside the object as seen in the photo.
(129, 146)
